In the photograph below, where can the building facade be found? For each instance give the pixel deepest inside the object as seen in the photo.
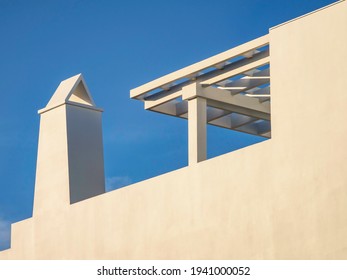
(285, 198)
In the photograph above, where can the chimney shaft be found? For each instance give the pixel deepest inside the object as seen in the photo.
(70, 164)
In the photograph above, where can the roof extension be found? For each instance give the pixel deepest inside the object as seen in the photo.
(235, 84)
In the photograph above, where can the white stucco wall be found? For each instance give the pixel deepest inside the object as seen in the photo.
(285, 198)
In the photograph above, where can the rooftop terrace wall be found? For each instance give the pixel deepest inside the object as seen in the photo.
(284, 198)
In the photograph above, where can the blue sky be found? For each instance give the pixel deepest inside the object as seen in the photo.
(117, 45)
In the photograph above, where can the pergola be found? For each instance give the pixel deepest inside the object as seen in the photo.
(230, 90)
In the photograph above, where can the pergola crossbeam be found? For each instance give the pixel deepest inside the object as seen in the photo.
(257, 128)
(239, 103)
(243, 84)
(200, 66)
(220, 99)
(215, 113)
(239, 69)
(233, 69)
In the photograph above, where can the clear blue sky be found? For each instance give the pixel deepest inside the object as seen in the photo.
(117, 45)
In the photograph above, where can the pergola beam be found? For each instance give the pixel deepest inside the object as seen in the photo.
(216, 98)
(239, 110)
(233, 69)
(239, 103)
(238, 70)
(215, 113)
(244, 84)
(257, 128)
(189, 71)
(149, 104)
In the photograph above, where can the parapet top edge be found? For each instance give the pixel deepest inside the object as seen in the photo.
(307, 14)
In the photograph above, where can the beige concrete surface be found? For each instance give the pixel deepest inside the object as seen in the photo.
(285, 198)
(197, 131)
(70, 164)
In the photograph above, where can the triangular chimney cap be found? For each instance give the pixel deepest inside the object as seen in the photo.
(72, 91)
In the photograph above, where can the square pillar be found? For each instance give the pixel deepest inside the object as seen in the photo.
(197, 142)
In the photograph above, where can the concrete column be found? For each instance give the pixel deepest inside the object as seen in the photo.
(197, 142)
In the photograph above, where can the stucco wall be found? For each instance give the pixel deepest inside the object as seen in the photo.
(285, 198)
